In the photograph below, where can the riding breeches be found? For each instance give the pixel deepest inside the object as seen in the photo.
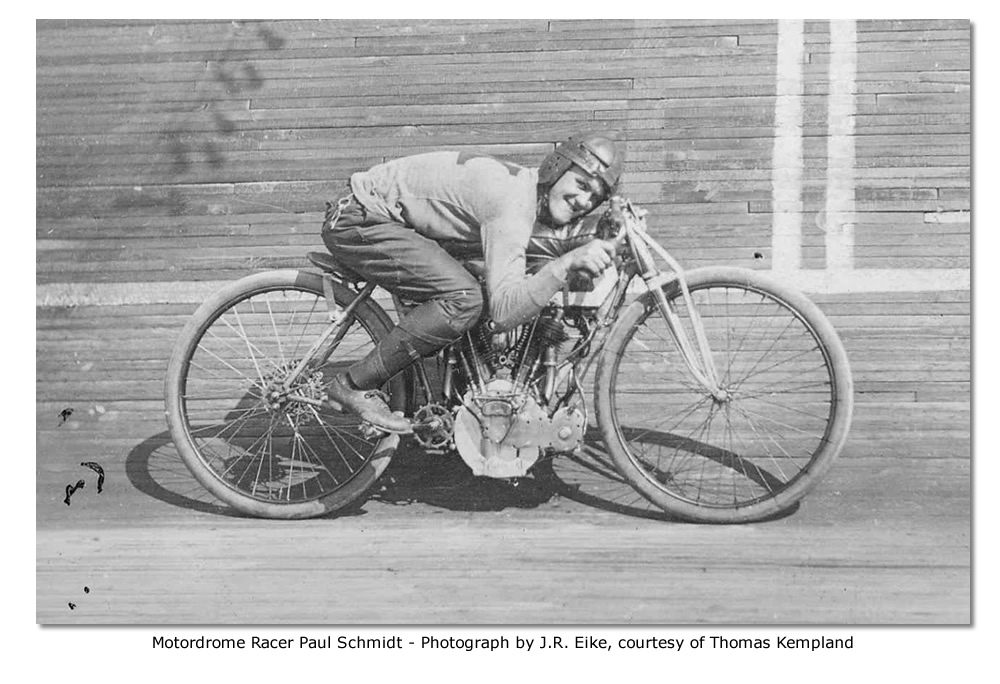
(415, 268)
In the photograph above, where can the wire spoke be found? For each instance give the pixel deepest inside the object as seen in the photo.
(305, 327)
(770, 390)
(715, 452)
(761, 474)
(693, 407)
(791, 408)
(775, 365)
(748, 413)
(763, 356)
(251, 347)
(274, 326)
(777, 463)
(245, 416)
(226, 363)
(683, 372)
(277, 453)
(333, 442)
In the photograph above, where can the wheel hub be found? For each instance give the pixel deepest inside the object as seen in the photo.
(279, 399)
(721, 396)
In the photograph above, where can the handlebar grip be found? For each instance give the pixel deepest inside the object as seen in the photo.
(616, 215)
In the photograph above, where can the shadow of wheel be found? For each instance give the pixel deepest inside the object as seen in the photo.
(717, 455)
(591, 477)
(155, 468)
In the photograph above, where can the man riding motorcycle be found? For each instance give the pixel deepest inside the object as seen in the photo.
(405, 216)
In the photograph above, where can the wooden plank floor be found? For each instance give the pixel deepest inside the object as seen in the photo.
(885, 539)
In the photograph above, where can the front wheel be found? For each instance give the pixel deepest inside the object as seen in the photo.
(264, 449)
(757, 449)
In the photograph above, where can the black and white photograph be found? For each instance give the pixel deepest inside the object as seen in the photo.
(504, 322)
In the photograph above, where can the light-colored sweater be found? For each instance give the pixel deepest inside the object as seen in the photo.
(458, 197)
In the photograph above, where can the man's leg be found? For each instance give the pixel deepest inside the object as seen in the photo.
(416, 268)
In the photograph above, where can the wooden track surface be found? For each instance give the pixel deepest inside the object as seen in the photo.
(885, 539)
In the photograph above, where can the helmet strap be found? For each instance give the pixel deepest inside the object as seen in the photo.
(542, 214)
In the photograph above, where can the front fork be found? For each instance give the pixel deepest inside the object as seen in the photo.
(698, 356)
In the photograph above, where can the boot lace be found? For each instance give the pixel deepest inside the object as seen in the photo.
(377, 394)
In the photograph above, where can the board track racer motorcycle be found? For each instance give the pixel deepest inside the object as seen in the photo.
(721, 394)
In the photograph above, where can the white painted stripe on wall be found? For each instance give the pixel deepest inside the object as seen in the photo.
(110, 294)
(876, 280)
(809, 281)
(841, 108)
(786, 174)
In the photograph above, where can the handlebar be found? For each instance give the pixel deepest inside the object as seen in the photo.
(616, 216)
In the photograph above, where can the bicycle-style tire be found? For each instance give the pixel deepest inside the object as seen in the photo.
(753, 455)
(298, 461)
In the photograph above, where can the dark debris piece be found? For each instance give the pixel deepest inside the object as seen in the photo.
(70, 489)
(96, 467)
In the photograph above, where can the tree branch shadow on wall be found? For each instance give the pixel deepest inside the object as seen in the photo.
(199, 138)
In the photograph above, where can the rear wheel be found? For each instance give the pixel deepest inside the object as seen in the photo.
(262, 449)
(758, 450)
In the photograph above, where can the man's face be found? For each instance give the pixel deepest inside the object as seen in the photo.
(572, 196)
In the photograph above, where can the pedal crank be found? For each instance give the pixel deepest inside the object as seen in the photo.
(434, 426)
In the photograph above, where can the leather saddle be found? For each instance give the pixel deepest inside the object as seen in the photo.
(329, 264)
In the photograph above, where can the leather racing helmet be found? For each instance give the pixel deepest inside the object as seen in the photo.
(595, 154)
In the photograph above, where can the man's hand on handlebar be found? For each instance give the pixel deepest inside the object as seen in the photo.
(594, 257)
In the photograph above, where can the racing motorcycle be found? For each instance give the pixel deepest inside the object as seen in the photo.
(721, 395)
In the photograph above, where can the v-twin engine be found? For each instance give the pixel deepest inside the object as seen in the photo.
(505, 421)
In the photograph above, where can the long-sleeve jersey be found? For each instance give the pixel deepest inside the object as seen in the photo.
(457, 197)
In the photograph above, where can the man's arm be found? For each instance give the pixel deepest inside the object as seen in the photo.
(516, 298)
(513, 296)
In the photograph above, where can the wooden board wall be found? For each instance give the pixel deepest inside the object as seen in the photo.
(188, 151)
(172, 151)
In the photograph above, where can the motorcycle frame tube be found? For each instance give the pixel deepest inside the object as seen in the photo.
(333, 333)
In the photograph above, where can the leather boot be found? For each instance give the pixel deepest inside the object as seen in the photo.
(368, 405)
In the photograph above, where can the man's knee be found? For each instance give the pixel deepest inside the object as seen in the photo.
(463, 308)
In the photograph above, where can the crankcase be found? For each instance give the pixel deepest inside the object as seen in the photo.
(500, 434)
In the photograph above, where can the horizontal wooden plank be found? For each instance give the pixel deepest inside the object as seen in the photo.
(222, 160)
(458, 83)
(252, 222)
(141, 91)
(579, 66)
(871, 108)
(94, 246)
(345, 64)
(289, 29)
(174, 139)
(894, 25)
(680, 27)
(640, 141)
(211, 159)
(570, 113)
(252, 45)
